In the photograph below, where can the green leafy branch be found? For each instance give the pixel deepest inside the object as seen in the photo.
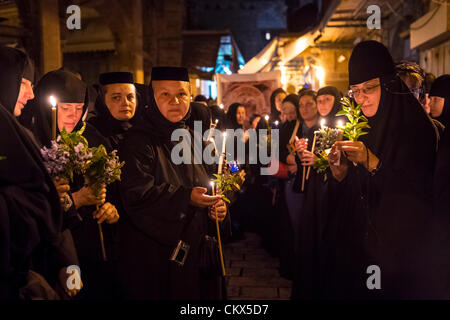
(357, 122)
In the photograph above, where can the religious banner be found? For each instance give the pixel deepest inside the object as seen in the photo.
(252, 90)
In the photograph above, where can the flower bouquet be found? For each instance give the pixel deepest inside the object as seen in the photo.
(101, 170)
(66, 155)
(326, 137)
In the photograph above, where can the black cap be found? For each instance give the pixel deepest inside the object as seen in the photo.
(170, 73)
(116, 77)
(369, 60)
(441, 87)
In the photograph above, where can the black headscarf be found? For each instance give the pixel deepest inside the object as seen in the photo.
(331, 116)
(65, 87)
(295, 100)
(231, 116)
(152, 120)
(274, 113)
(441, 88)
(199, 112)
(29, 204)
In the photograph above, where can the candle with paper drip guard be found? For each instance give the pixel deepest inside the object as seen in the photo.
(213, 186)
(53, 104)
(222, 154)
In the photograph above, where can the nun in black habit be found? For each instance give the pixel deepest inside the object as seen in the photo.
(383, 208)
(165, 204)
(31, 237)
(81, 218)
(319, 202)
(118, 106)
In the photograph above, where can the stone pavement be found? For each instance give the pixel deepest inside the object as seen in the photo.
(252, 274)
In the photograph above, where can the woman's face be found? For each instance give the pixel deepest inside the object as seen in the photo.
(436, 106)
(120, 98)
(368, 94)
(279, 100)
(288, 111)
(240, 115)
(69, 114)
(25, 94)
(308, 108)
(325, 103)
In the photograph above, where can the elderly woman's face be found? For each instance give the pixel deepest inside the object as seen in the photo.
(120, 98)
(69, 114)
(368, 94)
(172, 98)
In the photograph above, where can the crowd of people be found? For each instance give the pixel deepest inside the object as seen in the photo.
(383, 201)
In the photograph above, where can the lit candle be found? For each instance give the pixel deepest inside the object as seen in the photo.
(213, 188)
(53, 103)
(267, 120)
(222, 155)
(221, 106)
(276, 123)
(322, 123)
(216, 122)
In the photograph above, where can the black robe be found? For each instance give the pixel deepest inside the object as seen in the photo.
(31, 235)
(157, 214)
(318, 205)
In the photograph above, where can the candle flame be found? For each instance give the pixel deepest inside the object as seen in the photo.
(276, 122)
(267, 118)
(217, 120)
(221, 106)
(212, 184)
(322, 122)
(339, 123)
(53, 101)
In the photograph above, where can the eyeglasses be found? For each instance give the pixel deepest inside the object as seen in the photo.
(356, 92)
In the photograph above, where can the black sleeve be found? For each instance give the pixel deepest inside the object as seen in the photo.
(157, 209)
